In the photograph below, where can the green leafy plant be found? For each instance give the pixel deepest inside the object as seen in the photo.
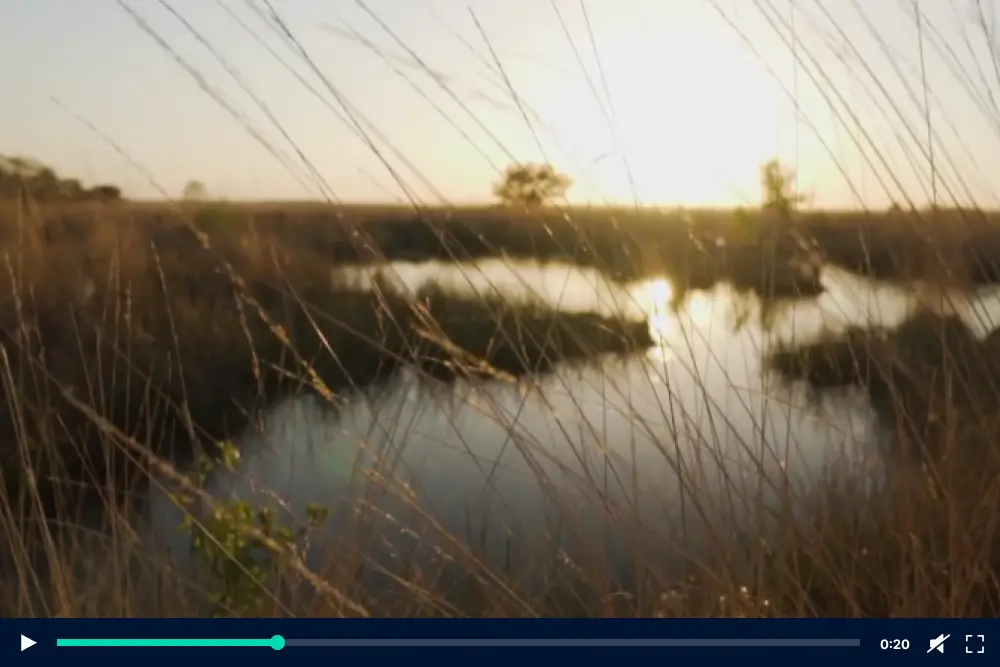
(239, 543)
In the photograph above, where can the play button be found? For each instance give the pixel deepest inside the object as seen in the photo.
(26, 642)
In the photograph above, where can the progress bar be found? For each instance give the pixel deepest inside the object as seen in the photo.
(424, 642)
(277, 643)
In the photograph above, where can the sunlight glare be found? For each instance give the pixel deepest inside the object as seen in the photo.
(660, 292)
(700, 308)
(695, 117)
(656, 305)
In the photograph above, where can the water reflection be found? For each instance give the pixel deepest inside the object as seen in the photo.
(562, 286)
(665, 449)
(848, 299)
(666, 454)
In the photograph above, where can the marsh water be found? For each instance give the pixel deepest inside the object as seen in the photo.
(658, 448)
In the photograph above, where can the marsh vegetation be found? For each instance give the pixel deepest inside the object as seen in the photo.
(522, 409)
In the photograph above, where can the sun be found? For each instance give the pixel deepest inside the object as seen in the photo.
(694, 116)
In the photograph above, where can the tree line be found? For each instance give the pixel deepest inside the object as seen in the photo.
(527, 185)
(21, 177)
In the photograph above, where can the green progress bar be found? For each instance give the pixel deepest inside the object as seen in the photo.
(277, 642)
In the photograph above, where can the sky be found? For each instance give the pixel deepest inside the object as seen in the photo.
(660, 102)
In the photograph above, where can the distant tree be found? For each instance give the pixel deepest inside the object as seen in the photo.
(778, 189)
(45, 184)
(106, 193)
(10, 184)
(29, 179)
(531, 185)
(70, 188)
(195, 191)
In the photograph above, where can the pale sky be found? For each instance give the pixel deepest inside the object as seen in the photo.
(701, 93)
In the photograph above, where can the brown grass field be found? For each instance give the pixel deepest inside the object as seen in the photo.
(123, 330)
(696, 249)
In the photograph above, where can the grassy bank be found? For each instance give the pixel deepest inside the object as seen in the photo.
(934, 386)
(915, 375)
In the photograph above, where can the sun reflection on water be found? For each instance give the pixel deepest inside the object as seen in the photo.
(658, 295)
(656, 300)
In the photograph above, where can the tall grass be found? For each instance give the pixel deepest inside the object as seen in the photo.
(123, 341)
